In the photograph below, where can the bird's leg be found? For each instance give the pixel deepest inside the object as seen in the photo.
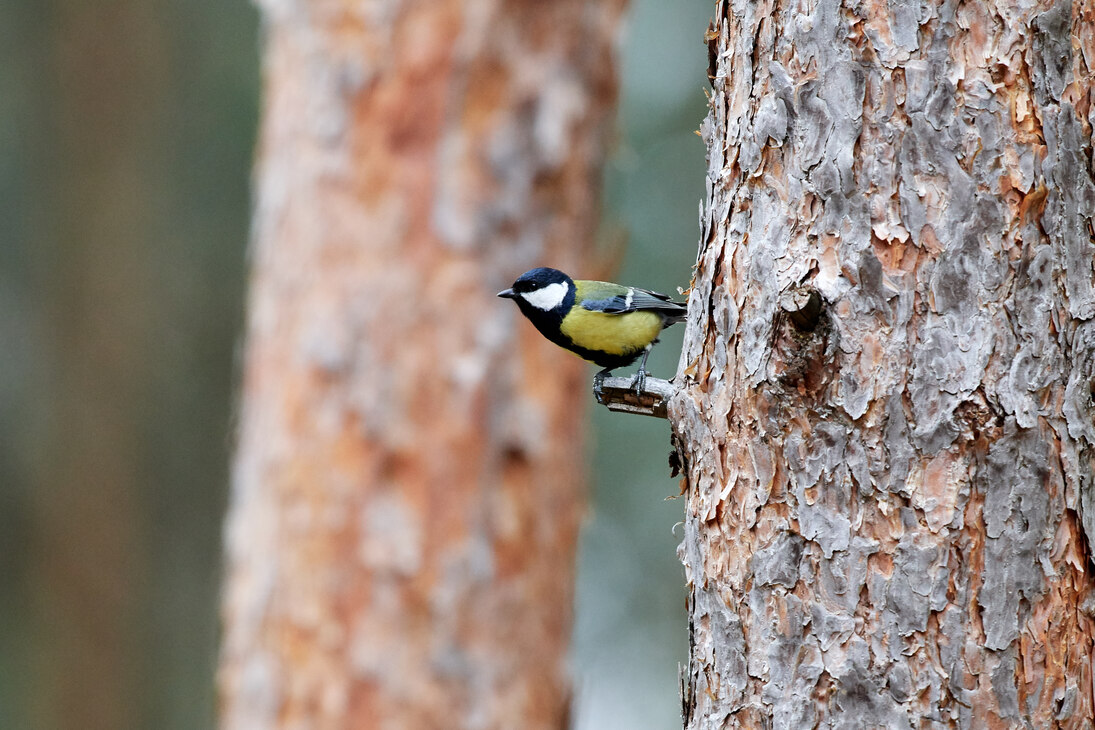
(640, 377)
(598, 381)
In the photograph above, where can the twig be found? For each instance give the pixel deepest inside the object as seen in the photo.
(619, 395)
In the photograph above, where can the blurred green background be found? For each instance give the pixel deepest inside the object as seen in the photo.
(126, 134)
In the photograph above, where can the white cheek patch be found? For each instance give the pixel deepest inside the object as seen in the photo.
(548, 298)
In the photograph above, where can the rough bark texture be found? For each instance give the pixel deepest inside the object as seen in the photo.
(889, 514)
(407, 488)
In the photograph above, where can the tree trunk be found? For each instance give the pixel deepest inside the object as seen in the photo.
(408, 481)
(890, 498)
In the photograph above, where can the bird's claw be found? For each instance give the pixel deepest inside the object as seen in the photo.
(640, 381)
(598, 391)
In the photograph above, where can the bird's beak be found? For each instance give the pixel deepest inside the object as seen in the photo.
(507, 294)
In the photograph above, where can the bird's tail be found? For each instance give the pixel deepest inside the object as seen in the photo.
(673, 312)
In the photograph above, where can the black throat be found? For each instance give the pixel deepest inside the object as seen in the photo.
(549, 322)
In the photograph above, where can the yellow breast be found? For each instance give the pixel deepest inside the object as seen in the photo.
(616, 334)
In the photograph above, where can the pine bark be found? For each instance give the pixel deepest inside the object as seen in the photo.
(890, 504)
(409, 477)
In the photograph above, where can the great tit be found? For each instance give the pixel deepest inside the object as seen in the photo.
(608, 324)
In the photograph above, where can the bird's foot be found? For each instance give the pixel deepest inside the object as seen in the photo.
(640, 381)
(598, 382)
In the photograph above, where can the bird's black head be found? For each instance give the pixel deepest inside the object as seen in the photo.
(539, 278)
(541, 289)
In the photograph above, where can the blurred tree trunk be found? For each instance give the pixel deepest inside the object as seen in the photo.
(408, 482)
(889, 509)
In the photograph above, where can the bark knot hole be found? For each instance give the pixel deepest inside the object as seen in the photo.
(802, 306)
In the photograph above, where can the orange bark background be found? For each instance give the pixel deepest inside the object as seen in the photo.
(126, 142)
(409, 476)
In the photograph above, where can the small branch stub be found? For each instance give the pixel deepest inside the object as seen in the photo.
(803, 307)
(618, 394)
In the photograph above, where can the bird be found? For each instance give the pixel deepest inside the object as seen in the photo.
(611, 325)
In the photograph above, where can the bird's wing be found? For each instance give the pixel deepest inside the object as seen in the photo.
(615, 299)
